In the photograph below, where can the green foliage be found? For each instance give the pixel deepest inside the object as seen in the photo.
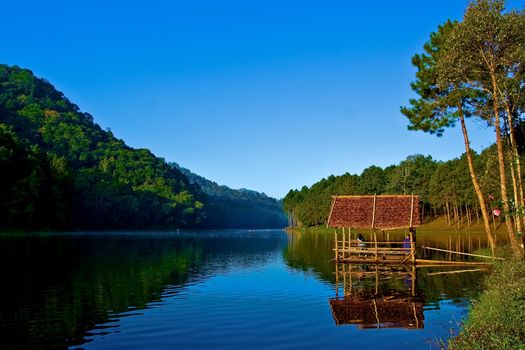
(436, 183)
(31, 185)
(496, 319)
(60, 169)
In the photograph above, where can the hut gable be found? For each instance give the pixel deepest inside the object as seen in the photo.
(382, 212)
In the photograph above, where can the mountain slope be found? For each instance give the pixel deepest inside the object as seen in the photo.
(236, 208)
(60, 170)
(76, 175)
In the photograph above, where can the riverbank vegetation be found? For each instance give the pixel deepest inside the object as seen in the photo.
(497, 317)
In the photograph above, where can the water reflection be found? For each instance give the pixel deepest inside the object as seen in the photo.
(213, 289)
(61, 289)
(377, 296)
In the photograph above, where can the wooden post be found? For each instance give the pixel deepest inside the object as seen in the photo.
(374, 212)
(377, 279)
(344, 280)
(412, 247)
(411, 211)
(344, 244)
(412, 243)
(350, 275)
(337, 280)
(335, 240)
(414, 272)
(375, 241)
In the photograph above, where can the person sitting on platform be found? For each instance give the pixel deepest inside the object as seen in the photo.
(407, 244)
(361, 241)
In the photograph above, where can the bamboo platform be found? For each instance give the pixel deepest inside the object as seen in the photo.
(348, 250)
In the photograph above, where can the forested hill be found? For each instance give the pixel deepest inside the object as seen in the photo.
(60, 170)
(237, 207)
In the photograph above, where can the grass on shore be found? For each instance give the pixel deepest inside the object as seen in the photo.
(497, 319)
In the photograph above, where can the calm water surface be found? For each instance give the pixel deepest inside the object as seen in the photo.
(216, 290)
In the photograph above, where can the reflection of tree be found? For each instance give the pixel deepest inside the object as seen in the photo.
(311, 251)
(45, 305)
(58, 288)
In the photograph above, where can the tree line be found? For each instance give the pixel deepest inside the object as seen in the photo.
(444, 188)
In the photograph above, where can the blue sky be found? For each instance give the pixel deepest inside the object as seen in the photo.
(267, 95)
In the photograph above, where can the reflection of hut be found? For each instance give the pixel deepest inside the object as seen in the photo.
(377, 312)
(370, 305)
(384, 212)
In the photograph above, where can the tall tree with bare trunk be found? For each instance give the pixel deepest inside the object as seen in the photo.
(438, 107)
(479, 53)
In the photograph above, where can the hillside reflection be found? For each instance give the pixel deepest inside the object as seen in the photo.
(58, 287)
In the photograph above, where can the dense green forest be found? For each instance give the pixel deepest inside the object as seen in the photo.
(445, 188)
(60, 170)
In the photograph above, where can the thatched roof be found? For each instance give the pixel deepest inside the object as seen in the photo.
(382, 212)
(382, 312)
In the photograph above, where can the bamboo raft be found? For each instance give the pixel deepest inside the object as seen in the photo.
(348, 249)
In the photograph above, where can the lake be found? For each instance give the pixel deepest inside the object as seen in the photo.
(216, 290)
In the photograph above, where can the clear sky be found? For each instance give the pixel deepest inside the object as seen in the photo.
(267, 95)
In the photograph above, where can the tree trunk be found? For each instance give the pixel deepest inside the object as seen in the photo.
(477, 187)
(467, 214)
(501, 162)
(456, 213)
(515, 164)
(517, 219)
(448, 214)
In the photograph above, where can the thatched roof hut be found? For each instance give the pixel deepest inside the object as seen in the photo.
(384, 212)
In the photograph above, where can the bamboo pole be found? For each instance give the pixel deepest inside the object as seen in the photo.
(461, 253)
(411, 211)
(344, 280)
(344, 243)
(452, 272)
(374, 212)
(337, 280)
(375, 241)
(335, 241)
(445, 262)
(350, 275)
